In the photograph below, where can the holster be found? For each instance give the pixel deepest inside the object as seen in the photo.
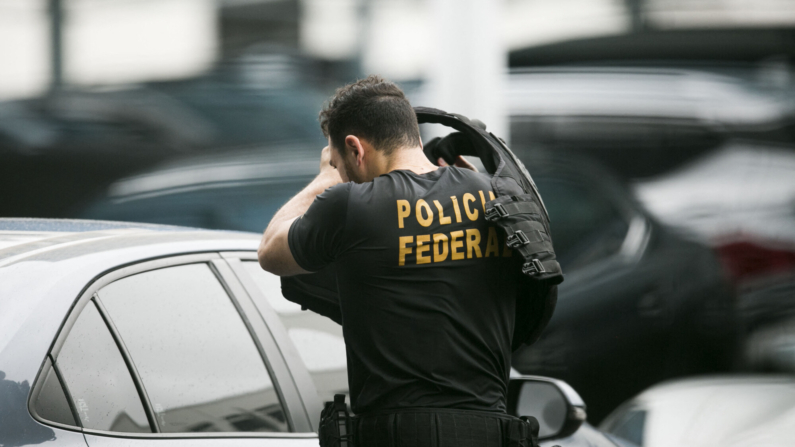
(522, 432)
(335, 424)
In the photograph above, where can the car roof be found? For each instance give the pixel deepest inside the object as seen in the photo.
(13, 224)
(231, 168)
(24, 235)
(679, 46)
(670, 94)
(59, 239)
(705, 195)
(55, 248)
(248, 167)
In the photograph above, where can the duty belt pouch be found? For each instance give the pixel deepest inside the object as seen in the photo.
(522, 432)
(335, 424)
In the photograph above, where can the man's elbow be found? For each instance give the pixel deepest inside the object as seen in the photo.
(272, 258)
(265, 257)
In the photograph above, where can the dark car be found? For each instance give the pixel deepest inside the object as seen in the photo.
(639, 304)
(234, 191)
(122, 334)
(708, 148)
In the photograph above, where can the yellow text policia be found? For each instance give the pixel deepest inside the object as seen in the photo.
(453, 245)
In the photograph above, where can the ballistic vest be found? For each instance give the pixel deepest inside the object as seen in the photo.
(517, 209)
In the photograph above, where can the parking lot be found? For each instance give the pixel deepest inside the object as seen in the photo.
(145, 146)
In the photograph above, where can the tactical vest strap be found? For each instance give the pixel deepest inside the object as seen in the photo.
(500, 210)
(526, 233)
(525, 230)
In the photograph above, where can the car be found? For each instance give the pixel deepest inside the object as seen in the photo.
(747, 410)
(116, 333)
(643, 121)
(639, 303)
(749, 224)
(64, 145)
(238, 190)
(705, 146)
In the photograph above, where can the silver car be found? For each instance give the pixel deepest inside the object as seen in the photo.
(118, 334)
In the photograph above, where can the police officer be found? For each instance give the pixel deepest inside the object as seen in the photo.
(427, 285)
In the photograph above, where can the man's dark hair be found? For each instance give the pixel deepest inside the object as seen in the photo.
(374, 109)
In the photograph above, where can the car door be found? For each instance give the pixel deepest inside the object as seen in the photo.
(163, 352)
(318, 341)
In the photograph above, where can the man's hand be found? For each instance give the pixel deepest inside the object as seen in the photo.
(274, 251)
(325, 160)
(460, 162)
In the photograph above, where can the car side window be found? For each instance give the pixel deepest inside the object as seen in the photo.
(586, 225)
(317, 339)
(97, 378)
(629, 426)
(197, 361)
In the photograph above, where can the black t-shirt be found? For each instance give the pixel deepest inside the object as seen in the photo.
(427, 288)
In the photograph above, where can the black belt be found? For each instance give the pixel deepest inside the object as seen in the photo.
(442, 427)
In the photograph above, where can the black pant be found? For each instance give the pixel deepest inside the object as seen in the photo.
(442, 428)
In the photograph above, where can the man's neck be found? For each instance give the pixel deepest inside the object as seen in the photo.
(409, 159)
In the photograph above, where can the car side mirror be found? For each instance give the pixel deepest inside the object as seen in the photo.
(559, 409)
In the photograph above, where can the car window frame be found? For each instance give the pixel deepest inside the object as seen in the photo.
(38, 385)
(297, 417)
(301, 377)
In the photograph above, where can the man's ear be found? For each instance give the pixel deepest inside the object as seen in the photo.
(353, 146)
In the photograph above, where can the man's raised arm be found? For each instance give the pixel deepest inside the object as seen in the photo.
(274, 250)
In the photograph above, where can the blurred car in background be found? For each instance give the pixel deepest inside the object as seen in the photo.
(740, 199)
(735, 411)
(238, 190)
(707, 147)
(57, 150)
(639, 303)
(643, 121)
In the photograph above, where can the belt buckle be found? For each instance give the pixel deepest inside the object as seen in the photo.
(496, 212)
(533, 267)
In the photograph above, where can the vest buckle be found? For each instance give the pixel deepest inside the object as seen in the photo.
(496, 212)
(533, 267)
(517, 239)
